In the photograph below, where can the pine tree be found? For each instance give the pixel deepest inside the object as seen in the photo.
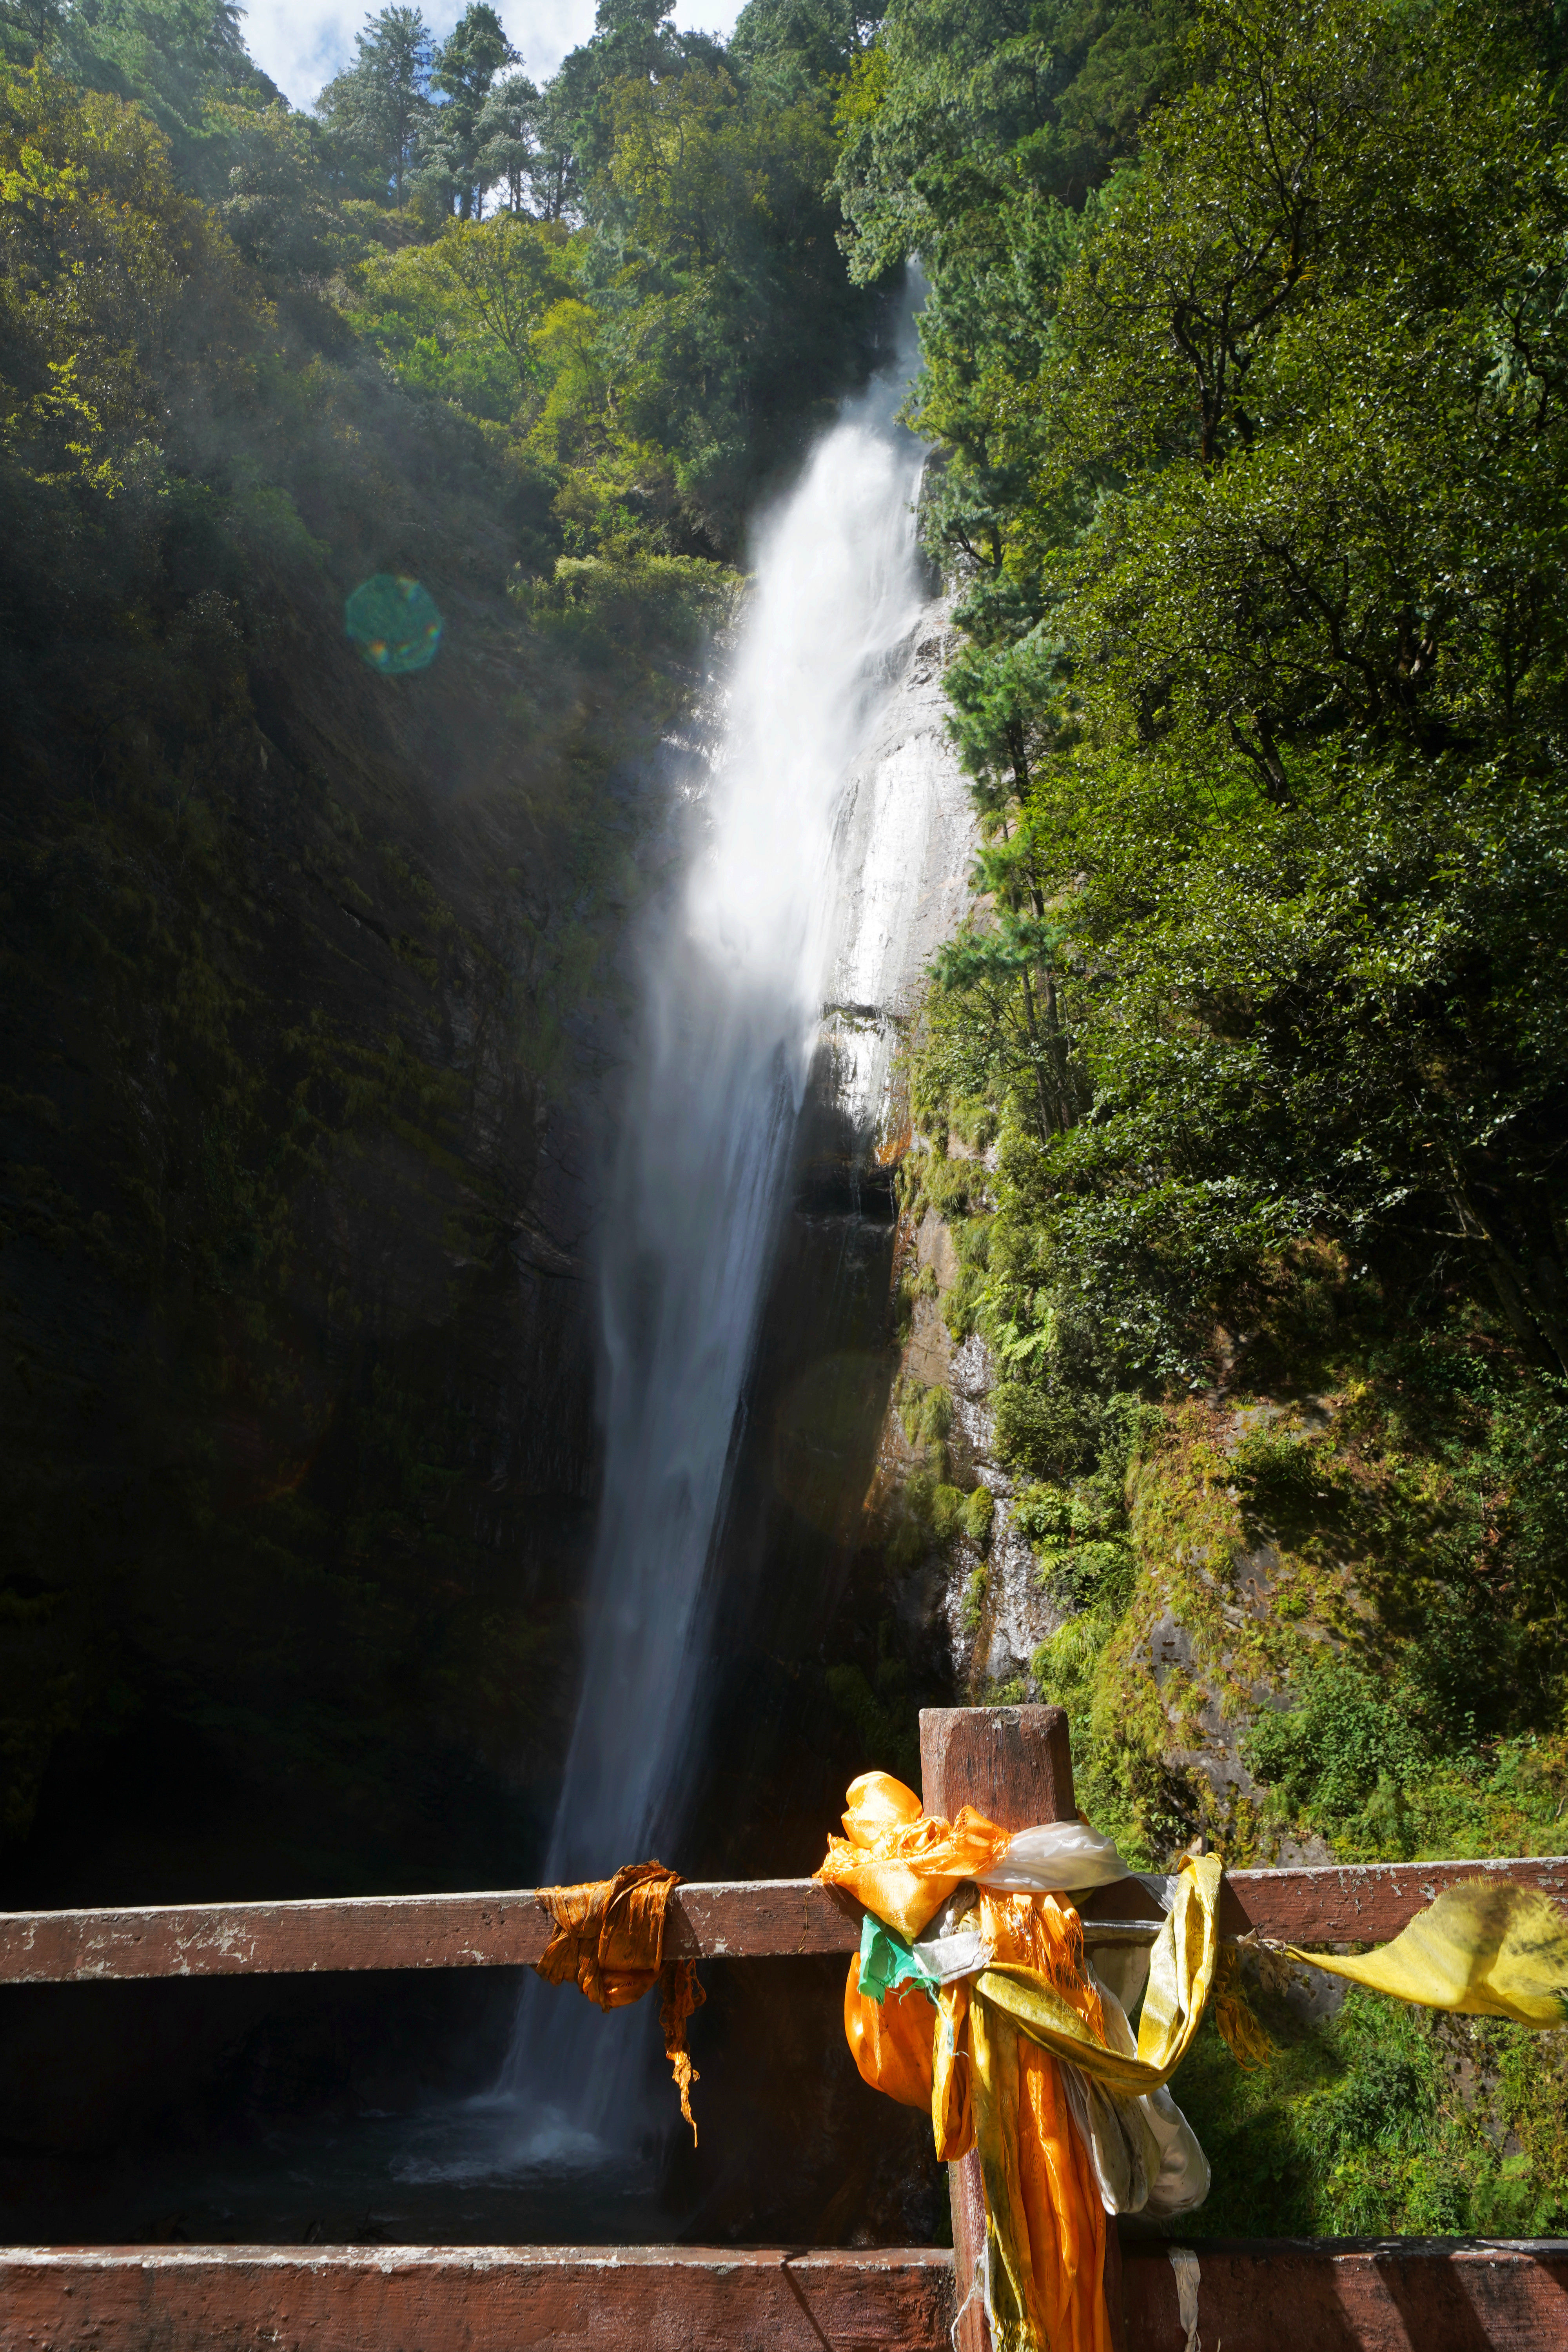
(381, 105)
(466, 66)
(506, 138)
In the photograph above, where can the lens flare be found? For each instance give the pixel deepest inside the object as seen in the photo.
(395, 623)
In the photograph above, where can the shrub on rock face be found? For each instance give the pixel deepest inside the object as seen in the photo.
(979, 1509)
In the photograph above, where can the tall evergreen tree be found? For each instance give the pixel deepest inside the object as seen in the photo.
(466, 66)
(796, 45)
(380, 106)
(507, 139)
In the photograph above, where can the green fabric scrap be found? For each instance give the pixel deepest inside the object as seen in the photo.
(887, 1961)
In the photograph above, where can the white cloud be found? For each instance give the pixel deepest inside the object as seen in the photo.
(302, 43)
(702, 16)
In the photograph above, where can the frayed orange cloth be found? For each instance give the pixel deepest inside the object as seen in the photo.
(609, 1942)
(1047, 2224)
(609, 1933)
(900, 1863)
(982, 2082)
(890, 2039)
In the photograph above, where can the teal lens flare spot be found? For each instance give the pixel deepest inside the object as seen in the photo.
(395, 623)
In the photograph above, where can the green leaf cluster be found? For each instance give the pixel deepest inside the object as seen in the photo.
(1247, 485)
(1383, 2122)
(1258, 539)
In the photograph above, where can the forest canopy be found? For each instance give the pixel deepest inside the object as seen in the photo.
(1265, 676)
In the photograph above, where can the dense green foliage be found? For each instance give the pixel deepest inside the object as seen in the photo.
(1260, 545)
(1388, 2122)
(1265, 692)
(656, 310)
(1243, 1092)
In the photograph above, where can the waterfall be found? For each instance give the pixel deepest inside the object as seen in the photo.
(734, 982)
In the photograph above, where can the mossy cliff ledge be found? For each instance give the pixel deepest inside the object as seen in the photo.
(1266, 1606)
(1264, 1603)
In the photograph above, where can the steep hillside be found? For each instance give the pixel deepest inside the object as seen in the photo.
(1233, 1406)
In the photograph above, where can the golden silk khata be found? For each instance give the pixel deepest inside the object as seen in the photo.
(972, 1998)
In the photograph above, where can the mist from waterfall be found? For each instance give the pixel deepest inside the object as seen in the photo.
(733, 982)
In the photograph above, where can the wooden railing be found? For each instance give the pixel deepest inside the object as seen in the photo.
(1014, 1762)
(735, 1919)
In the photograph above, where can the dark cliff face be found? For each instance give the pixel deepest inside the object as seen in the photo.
(300, 981)
(312, 997)
(304, 992)
(301, 1566)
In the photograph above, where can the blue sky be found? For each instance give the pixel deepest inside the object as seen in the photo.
(302, 43)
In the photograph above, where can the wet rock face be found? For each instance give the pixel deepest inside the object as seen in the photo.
(985, 1595)
(929, 1353)
(1016, 1614)
(906, 842)
(908, 839)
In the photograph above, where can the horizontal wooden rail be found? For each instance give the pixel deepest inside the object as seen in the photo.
(1347, 2295)
(733, 1920)
(1339, 1903)
(473, 2299)
(1259, 2296)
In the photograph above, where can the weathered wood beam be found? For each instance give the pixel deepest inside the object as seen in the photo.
(472, 2299)
(1346, 2294)
(733, 1920)
(1329, 2295)
(1350, 1903)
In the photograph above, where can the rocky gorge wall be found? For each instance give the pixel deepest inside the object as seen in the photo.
(312, 996)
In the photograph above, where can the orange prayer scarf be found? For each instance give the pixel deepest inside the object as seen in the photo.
(901, 1864)
(609, 1942)
(978, 2078)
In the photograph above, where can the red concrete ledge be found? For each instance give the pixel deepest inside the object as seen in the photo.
(1353, 2294)
(472, 2299)
(1254, 2295)
(730, 1920)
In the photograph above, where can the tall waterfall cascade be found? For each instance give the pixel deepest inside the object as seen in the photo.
(832, 838)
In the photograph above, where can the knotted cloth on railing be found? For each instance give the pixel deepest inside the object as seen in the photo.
(991, 2022)
(974, 2002)
(609, 1942)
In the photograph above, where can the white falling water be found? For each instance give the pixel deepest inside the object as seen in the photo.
(734, 991)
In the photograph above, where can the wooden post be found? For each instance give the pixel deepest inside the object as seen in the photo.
(1013, 1764)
